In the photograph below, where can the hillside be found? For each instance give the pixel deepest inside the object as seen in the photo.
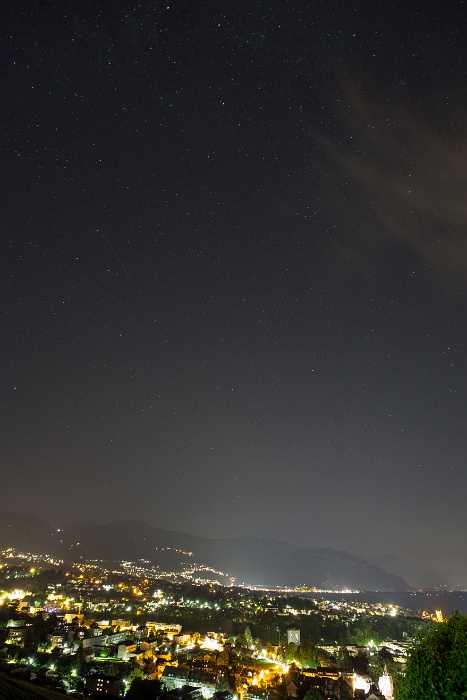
(250, 560)
(12, 689)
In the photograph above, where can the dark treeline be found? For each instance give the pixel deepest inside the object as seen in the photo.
(313, 628)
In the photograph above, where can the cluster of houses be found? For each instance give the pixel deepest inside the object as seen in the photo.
(203, 676)
(163, 650)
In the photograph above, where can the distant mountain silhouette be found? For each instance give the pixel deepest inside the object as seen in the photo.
(25, 532)
(250, 560)
(417, 576)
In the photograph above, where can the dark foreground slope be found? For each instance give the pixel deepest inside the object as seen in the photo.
(12, 689)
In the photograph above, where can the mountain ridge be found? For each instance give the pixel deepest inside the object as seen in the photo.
(418, 577)
(249, 560)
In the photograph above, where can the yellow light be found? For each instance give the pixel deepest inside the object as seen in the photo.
(17, 594)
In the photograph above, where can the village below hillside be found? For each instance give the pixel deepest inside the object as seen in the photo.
(97, 629)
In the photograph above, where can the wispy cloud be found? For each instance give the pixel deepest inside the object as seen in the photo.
(408, 177)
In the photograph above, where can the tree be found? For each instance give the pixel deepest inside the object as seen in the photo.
(344, 659)
(135, 674)
(360, 663)
(31, 639)
(223, 658)
(322, 657)
(291, 652)
(437, 664)
(307, 655)
(222, 685)
(240, 640)
(379, 661)
(149, 666)
(313, 694)
(145, 690)
(346, 691)
(55, 654)
(80, 660)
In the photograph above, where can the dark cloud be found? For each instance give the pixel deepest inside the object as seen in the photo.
(409, 178)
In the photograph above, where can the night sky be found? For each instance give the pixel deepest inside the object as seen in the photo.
(234, 269)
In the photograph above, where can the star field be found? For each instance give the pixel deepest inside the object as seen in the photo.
(234, 269)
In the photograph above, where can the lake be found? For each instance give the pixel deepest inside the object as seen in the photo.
(417, 601)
